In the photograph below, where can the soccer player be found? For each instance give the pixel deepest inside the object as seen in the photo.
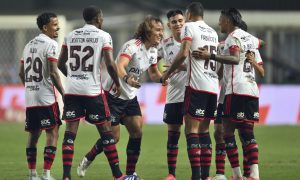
(39, 74)
(80, 61)
(241, 94)
(201, 89)
(173, 115)
(135, 57)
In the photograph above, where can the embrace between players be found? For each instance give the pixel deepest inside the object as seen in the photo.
(108, 98)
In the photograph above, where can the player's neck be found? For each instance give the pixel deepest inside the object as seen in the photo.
(196, 18)
(176, 36)
(230, 30)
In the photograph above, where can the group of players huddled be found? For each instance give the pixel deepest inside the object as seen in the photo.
(196, 64)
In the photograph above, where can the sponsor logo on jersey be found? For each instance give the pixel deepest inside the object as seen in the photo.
(240, 115)
(199, 112)
(135, 71)
(70, 114)
(45, 122)
(169, 44)
(151, 60)
(171, 53)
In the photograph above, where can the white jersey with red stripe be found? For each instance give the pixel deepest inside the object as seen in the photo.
(85, 53)
(240, 78)
(202, 75)
(39, 89)
(140, 60)
(168, 50)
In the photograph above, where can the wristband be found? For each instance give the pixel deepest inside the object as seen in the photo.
(212, 56)
(125, 78)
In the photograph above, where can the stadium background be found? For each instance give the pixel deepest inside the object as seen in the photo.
(275, 21)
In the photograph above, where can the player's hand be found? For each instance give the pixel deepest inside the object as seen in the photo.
(117, 91)
(133, 81)
(164, 78)
(250, 56)
(204, 54)
(196, 54)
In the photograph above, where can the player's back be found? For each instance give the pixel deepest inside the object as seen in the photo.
(85, 51)
(39, 90)
(203, 74)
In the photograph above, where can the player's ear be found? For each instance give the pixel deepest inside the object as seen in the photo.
(45, 28)
(168, 24)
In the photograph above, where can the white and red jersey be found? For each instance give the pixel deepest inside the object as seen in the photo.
(240, 78)
(39, 89)
(167, 50)
(85, 53)
(140, 60)
(202, 75)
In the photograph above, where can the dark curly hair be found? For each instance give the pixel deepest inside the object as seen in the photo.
(144, 28)
(234, 16)
(44, 19)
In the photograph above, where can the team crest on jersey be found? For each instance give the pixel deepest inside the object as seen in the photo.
(200, 112)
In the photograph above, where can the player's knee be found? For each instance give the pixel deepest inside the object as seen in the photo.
(218, 135)
(136, 133)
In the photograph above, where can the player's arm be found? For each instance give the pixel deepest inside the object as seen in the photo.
(257, 66)
(179, 59)
(62, 60)
(55, 76)
(233, 58)
(122, 63)
(21, 73)
(111, 66)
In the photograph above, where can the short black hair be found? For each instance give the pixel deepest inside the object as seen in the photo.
(174, 12)
(243, 25)
(44, 19)
(196, 9)
(234, 15)
(89, 13)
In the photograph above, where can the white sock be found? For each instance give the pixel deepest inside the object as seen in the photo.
(254, 172)
(237, 172)
(32, 172)
(46, 172)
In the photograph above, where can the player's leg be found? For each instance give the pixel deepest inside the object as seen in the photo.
(97, 112)
(247, 135)
(246, 165)
(209, 105)
(220, 145)
(193, 145)
(134, 126)
(73, 112)
(53, 114)
(173, 117)
(96, 150)
(50, 151)
(31, 152)
(109, 147)
(231, 107)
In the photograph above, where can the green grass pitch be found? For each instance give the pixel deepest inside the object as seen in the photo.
(279, 148)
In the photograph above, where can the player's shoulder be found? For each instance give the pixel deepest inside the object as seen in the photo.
(134, 43)
(167, 41)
